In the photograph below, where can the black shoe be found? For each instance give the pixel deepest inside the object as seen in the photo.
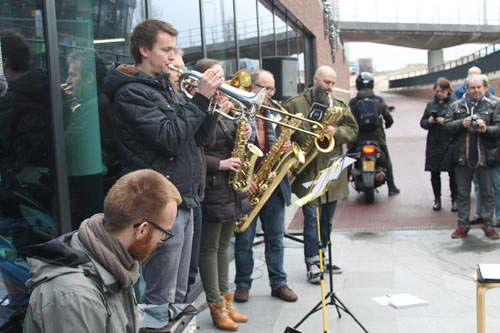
(454, 207)
(393, 190)
(437, 205)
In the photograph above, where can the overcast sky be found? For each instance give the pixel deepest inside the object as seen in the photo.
(387, 57)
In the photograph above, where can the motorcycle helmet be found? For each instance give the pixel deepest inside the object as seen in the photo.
(364, 80)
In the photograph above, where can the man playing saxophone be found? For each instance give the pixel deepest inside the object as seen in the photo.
(272, 214)
(345, 130)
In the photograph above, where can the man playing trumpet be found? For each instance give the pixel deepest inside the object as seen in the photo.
(157, 129)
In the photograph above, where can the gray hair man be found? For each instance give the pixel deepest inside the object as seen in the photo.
(475, 123)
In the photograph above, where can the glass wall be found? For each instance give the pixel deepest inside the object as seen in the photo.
(219, 33)
(91, 36)
(28, 204)
(185, 17)
(246, 12)
(266, 26)
(280, 33)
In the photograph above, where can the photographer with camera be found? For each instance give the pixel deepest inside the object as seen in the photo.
(439, 143)
(475, 123)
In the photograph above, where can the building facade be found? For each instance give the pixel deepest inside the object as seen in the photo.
(58, 153)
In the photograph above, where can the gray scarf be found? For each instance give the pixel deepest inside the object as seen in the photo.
(108, 251)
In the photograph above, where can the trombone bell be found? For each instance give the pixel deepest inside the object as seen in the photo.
(325, 144)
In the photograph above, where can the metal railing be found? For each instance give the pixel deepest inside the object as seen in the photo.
(488, 59)
(471, 58)
(463, 12)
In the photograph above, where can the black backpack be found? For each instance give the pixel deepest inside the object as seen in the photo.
(366, 114)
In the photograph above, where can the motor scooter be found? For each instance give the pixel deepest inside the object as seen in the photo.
(368, 171)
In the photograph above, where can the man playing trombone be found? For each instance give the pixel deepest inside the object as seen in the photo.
(157, 129)
(272, 214)
(344, 130)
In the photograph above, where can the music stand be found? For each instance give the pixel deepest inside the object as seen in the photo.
(317, 188)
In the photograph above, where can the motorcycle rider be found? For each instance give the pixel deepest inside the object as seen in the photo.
(364, 85)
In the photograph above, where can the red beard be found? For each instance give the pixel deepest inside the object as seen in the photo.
(141, 249)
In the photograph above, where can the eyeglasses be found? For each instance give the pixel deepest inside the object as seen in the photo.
(167, 234)
(268, 88)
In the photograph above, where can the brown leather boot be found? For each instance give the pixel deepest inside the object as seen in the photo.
(221, 316)
(233, 311)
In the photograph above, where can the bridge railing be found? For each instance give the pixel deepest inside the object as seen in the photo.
(487, 58)
(463, 12)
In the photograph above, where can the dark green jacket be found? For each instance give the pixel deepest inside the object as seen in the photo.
(346, 130)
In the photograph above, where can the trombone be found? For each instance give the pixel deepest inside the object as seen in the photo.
(323, 141)
(248, 102)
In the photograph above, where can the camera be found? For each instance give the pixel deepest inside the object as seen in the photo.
(474, 123)
(434, 114)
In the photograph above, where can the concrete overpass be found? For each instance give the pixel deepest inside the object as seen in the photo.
(432, 37)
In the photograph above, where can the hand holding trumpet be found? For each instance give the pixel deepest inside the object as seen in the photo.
(210, 81)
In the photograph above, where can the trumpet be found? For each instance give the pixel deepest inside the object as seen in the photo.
(248, 102)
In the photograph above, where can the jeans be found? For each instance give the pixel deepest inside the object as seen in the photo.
(195, 248)
(166, 270)
(388, 166)
(272, 218)
(311, 246)
(464, 176)
(496, 189)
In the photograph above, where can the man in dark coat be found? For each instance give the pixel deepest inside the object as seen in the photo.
(364, 84)
(156, 128)
(475, 122)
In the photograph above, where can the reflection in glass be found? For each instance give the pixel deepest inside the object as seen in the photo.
(266, 30)
(219, 27)
(292, 39)
(27, 186)
(302, 71)
(247, 33)
(80, 111)
(281, 36)
(185, 18)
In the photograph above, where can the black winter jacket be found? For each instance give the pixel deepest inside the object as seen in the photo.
(157, 129)
(488, 111)
(437, 138)
(385, 118)
(222, 203)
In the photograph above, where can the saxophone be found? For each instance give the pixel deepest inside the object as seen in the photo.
(273, 169)
(240, 181)
(331, 116)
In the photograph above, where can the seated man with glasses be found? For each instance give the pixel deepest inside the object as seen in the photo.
(85, 279)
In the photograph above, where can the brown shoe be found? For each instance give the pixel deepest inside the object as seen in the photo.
(241, 295)
(221, 316)
(491, 233)
(285, 293)
(460, 232)
(233, 311)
